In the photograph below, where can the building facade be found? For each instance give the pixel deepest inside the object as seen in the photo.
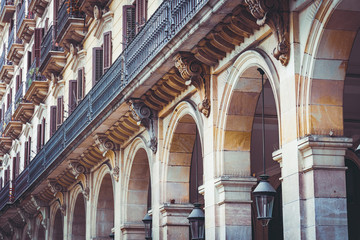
(112, 109)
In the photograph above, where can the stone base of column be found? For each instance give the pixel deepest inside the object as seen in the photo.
(174, 223)
(133, 231)
(234, 207)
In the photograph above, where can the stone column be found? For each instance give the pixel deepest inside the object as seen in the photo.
(174, 223)
(314, 189)
(234, 207)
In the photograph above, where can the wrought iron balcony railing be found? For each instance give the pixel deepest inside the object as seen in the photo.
(2, 59)
(21, 182)
(20, 16)
(69, 9)
(1, 127)
(33, 75)
(8, 115)
(5, 197)
(11, 38)
(165, 23)
(48, 44)
(19, 96)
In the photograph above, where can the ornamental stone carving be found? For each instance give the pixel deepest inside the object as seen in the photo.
(275, 14)
(55, 187)
(76, 168)
(145, 116)
(195, 73)
(104, 144)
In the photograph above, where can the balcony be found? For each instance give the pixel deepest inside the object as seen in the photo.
(7, 10)
(53, 58)
(2, 89)
(6, 69)
(5, 196)
(24, 110)
(38, 6)
(5, 141)
(16, 48)
(71, 25)
(36, 90)
(12, 128)
(21, 182)
(25, 25)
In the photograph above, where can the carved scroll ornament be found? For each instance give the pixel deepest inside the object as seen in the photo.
(274, 13)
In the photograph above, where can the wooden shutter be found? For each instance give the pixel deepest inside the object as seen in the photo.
(97, 64)
(29, 150)
(26, 154)
(6, 175)
(72, 95)
(1, 114)
(141, 14)
(107, 51)
(43, 132)
(17, 83)
(1, 183)
(38, 147)
(53, 121)
(60, 111)
(29, 60)
(129, 23)
(14, 168)
(37, 44)
(81, 84)
(17, 165)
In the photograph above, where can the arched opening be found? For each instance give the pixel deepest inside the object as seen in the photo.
(41, 232)
(184, 176)
(138, 196)
(105, 209)
(79, 219)
(58, 231)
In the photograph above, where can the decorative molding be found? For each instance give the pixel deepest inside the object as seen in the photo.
(77, 168)
(86, 193)
(146, 117)
(104, 144)
(100, 23)
(276, 15)
(195, 73)
(55, 187)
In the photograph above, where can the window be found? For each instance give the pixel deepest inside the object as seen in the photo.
(16, 161)
(134, 18)
(26, 154)
(60, 111)
(53, 121)
(81, 84)
(41, 135)
(107, 51)
(37, 45)
(72, 95)
(97, 64)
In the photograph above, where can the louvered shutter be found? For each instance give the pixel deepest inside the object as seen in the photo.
(107, 51)
(1, 183)
(6, 175)
(17, 165)
(97, 64)
(14, 168)
(60, 111)
(37, 44)
(72, 95)
(43, 133)
(81, 84)
(1, 114)
(38, 147)
(17, 83)
(26, 154)
(141, 14)
(29, 150)
(129, 23)
(52, 120)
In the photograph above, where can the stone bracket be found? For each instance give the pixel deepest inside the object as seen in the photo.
(195, 73)
(77, 168)
(276, 15)
(146, 117)
(55, 187)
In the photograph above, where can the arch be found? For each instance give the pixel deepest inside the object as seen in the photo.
(237, 109)
(137, 189)
(331, 38)
(178, 147)
(78, 226)
(58, 229)
(40, 230)
(104, 207)
(25, 232)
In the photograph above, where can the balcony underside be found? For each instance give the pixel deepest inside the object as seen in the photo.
(26, 30)
(7, 13)
(2, 89)
(6, 73)
(5, 144)
(24, 112)
(16, 52)
(13, 129)
(38, 7)
(53, 63)
(73, 32)
(37, 92)
(87, 6)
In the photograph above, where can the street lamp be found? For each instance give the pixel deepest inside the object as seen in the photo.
(148, 226)
(197, 223)
(264, 193)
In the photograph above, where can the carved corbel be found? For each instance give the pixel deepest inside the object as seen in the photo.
(55, 187)
(195, 73)
(23, 214)
(77, 168)
(38, 203)
(43, 208)
(146, 117)
(276, 15)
